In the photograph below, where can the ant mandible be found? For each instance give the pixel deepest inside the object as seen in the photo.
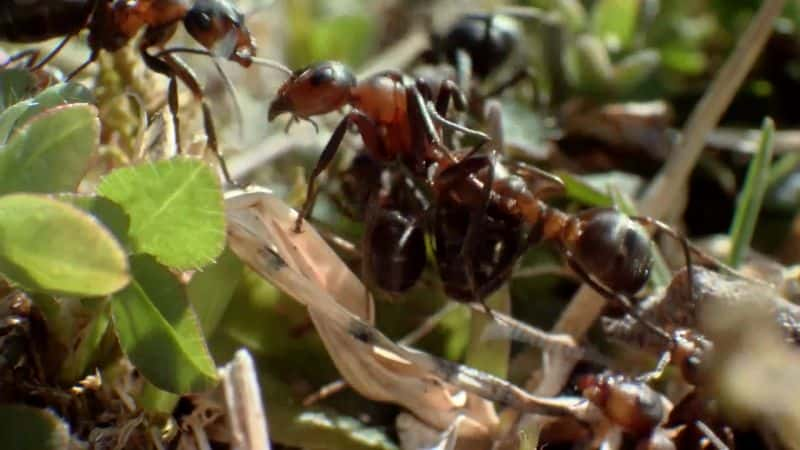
(216, 24)
(394, 114)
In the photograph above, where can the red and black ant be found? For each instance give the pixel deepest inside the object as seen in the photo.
(606, 249)
(395, 115)
(216, 24)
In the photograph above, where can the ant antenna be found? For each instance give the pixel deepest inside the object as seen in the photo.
(226, 80)
(272, 64)
(237, 107)
(661, 226)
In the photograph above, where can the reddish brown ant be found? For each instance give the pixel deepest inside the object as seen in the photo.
(216, 24)
(394, 115)
(606, 249)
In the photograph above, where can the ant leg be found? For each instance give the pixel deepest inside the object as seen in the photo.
(463, 64)
(172, 95)
(92, 57)
(452, 125)
(473, 236)
(369, 135)
(448, 90)
(518, 76)
(52, 53)
(32, 54)
(661, 226)
(181, 70)
(540, 182)
(615, 297)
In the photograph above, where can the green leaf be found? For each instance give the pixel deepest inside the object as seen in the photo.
(27, 428)
(580, 191)
(175, 208)
(104, 210)
(50, 246)
(154, 400)
(60, 94)
(211, 289)
(159, 331)
(615, 21)
(589, 64)
(52, 152)
(15, 85)
(750, 199)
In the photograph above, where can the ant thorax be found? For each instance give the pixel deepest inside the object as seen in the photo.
(382, 99)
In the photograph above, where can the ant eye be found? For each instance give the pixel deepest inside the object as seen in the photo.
(322, 76)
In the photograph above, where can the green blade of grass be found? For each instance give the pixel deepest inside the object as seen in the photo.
(749, 201)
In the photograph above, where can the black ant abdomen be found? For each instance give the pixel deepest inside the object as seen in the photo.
(396, 255)
(488, 40)
(612, 248)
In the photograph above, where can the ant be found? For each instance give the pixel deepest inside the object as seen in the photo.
(394, 114)
(478, 45)
(218, 25)
(604, 247)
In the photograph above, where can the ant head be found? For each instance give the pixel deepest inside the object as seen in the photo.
(219, 26)
(689, 353)
(317, 89)
(595, 387)
(613, 249)
(488, 39)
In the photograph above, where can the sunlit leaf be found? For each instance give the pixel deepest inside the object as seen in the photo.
(104, 210)
(175, 208)
(52, 152)
(50, 246)
(60, 94)
(615, 21)
(159, 331)
(27, 428)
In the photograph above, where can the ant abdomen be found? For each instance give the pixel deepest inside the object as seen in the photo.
(396, 256)
(471, 273)
(488, 39)
(613, 249)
